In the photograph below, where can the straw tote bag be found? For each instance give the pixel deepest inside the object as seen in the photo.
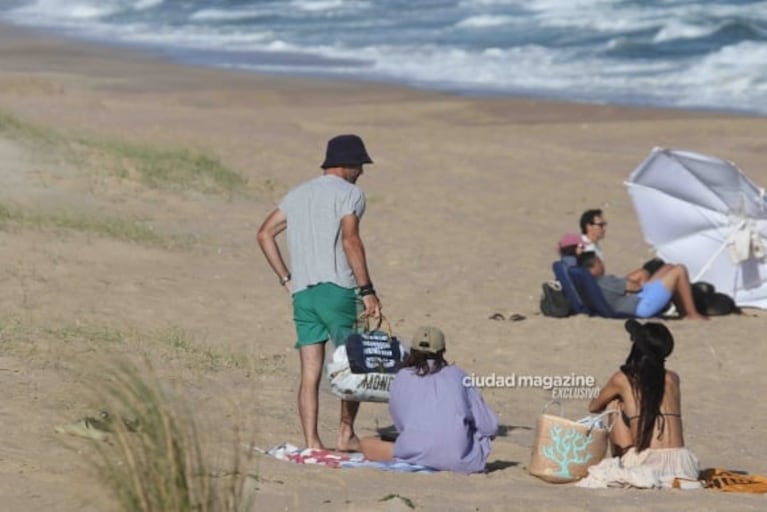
(564, 449)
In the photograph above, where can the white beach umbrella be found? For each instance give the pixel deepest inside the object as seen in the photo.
(704, 212)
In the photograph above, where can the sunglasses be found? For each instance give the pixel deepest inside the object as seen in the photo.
(600, 224)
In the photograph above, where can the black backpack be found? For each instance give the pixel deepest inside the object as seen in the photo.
(554, 303)
(710, 302)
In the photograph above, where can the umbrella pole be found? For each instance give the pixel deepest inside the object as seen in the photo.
(727, 242)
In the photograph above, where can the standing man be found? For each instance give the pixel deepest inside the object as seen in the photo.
(329, 271)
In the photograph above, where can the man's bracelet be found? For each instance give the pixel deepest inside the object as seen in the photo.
(367, 289)
(284, 280)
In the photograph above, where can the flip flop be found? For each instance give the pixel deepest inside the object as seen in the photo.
(95, 428)
(88, 427)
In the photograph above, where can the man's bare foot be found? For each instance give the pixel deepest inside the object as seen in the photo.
(315, 444)
(351, 444)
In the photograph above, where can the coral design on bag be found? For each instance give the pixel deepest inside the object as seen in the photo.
(569, 446)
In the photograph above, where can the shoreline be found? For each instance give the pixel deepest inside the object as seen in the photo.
(13, 34)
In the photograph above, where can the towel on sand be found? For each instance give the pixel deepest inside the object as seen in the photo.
(331, 459)
(733, 481)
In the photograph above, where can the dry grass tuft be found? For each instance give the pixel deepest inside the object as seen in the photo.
(155, 460)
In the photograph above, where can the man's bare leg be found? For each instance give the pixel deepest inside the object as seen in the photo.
(677, 281)
(312, 359)
(640, 276)
(347, 439)
(662, 270)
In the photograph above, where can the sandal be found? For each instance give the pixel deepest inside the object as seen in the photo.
(95, 428)
(89, 427)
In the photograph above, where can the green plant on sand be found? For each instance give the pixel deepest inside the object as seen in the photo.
(157, 168)
(155, 460)
(131, 230)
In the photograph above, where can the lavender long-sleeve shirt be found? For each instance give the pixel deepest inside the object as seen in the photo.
(441, 423)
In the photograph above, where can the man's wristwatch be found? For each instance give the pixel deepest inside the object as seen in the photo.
(284, 280)
(367, 289)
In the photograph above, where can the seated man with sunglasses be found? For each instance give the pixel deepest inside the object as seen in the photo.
(594, 228)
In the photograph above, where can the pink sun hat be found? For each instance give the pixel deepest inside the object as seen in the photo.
(570, 239)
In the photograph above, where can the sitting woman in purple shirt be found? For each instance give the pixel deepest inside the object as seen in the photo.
(442, 422)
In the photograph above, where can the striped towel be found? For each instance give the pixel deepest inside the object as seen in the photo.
(331, 459)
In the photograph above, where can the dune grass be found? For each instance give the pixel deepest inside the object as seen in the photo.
(156, 460)
(134, 230)
(166, 169)
(158, 456)
(171, 169)
(12, 126)
(48, 342)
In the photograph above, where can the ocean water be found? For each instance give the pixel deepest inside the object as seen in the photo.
(670, 53)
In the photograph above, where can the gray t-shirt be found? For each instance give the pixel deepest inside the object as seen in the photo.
(314, 211)
(614, 290)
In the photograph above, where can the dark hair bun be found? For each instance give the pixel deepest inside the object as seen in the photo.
(653, 338)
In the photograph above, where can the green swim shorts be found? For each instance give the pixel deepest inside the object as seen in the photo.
(324, 311)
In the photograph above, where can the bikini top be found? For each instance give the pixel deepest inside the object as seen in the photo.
(627, 420)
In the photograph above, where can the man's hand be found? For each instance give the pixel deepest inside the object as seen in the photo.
(372, 306)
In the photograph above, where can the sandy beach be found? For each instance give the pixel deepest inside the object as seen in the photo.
(466, 200)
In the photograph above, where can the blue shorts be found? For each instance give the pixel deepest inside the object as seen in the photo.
(652, 299)
(324, 311)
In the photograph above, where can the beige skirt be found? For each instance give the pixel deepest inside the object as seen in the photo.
(651, 468)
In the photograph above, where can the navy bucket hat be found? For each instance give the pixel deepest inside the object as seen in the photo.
(345, 150)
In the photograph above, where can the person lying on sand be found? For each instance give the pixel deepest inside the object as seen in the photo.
(671, 282)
